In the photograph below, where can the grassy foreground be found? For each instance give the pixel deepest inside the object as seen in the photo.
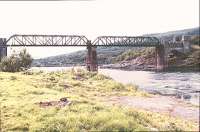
(21, 92)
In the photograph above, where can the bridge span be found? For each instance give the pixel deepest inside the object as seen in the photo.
(79, 40)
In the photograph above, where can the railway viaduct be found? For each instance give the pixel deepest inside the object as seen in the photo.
(78, 40)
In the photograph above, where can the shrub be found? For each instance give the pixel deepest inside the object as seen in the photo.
(195, 40)
(133, 53)
(16, 63)
(25, 59)
(101, 77)
(10, 64)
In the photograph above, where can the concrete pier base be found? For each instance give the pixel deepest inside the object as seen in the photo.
(186, 47)
(160, 58)
(3, 48)
(91, 58)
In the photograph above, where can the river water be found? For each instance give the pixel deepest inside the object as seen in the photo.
(183, 85)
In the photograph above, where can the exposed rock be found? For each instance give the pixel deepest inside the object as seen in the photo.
(61, 103)
(187, 96)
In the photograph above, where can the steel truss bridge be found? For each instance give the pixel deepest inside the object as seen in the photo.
(126, 41)
(46, 40)
(80, 40)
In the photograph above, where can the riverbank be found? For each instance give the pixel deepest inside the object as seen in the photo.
(76, 100)
(127, 66)
(182, 85)
(145, 60)
(130, 67)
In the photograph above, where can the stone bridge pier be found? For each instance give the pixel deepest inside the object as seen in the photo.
(160, 58)
(3, 50)
(91, 57)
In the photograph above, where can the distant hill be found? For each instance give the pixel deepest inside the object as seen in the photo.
(191, 31)
(105, 54)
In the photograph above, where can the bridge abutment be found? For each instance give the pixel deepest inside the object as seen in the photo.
(3, 48)
(160, 58)
(91, 58)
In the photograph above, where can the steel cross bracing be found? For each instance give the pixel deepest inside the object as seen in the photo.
(47, 40)
(126, 41)
(76, 40)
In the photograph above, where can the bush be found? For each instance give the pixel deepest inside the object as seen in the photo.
(133, 53)
(16, 63)
(10, 64)
(25, 59)
(195, 40)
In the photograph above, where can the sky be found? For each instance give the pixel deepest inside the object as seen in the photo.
(94, 18)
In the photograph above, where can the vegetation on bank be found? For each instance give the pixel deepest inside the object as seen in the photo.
(104, 55)
(195, 40)
(175, 59)
(189, 59)
(132, 54)
(89, 110)
(16, 62)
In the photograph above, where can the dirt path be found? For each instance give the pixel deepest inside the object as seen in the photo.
(162, 104)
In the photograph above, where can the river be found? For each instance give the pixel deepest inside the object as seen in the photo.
(183, 85)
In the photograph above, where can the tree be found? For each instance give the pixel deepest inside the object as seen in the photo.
(16, 62)
(25, 59)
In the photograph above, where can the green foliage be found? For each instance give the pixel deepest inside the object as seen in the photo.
(132, 54)
(195, 40)
(90, 109)
(104, 55)
(16, 62)
(25, 59)
(101, 77)
(187, 60)
(10, 64)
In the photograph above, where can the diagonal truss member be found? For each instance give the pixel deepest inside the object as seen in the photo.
(126, 41)
(47, 40)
